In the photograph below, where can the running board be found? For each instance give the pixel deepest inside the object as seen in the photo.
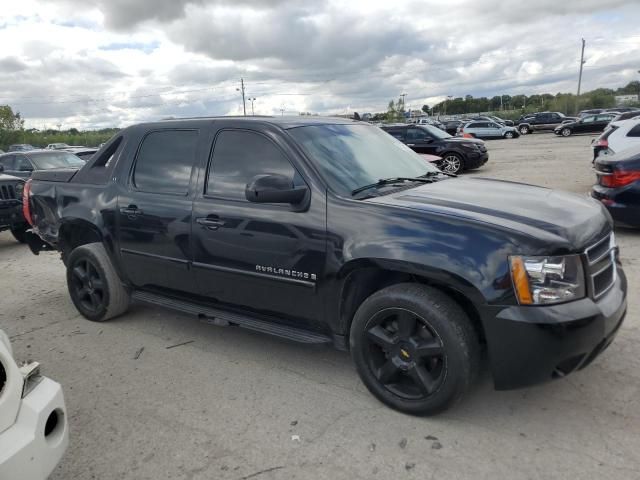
(223, 317)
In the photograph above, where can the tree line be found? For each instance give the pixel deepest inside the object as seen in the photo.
(12, 131)
(516, 105)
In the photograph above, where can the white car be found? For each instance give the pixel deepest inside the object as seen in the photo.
(617, 137)
(57, 146)
(34, 432)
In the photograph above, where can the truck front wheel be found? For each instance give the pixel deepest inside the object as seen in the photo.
(94, 285)
(414, 348)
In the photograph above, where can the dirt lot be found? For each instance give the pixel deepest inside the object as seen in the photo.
(235, 405)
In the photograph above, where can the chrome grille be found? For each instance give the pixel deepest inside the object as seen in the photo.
(7, 192)
(601, 260)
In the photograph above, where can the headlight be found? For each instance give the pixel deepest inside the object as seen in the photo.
(471, 146)
(545, 280)
(19, 188)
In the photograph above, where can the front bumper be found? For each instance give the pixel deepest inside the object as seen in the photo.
(533, 344)
(476, 159)
(10, 213)
(33, 446)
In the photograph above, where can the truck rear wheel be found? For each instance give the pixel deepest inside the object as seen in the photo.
(94, 285)
(524, 129)
(414, 348)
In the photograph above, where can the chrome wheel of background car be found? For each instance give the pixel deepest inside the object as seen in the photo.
(88, 285)
(406, 355)
(451, 164)
(524, 130)
(508, 135)
(565, 132)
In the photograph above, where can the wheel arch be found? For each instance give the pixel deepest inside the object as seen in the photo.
(362, 278)
(75, 232)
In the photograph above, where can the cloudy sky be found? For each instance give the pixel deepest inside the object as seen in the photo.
(96, 63)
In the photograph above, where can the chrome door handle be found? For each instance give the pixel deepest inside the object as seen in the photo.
(131, 211)
(210, 223)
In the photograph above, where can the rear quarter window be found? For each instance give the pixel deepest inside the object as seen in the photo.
(634, 132)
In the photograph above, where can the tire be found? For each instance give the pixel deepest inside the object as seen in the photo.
(509, 135)
(565, 132)
(429, 372)
(452, 163)
(524, 129)
(20, 233)
(94, 285)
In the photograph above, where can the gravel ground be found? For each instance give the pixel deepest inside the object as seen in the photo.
(234, 405)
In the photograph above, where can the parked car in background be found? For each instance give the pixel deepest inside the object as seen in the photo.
(617, 137)
(618, 186)
(57, 146)
(488, 130)
(458, 154)
(85, 153)
(34, 432)
(502, 121)
(593, 111)
(589, 124)
(11, 217)
(22, 164)
(451, 127)
(21, 147)
(625, 116)
(413, 272)
(541, 121)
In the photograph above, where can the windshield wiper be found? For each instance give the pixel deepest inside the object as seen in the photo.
(439, 172)
(389, 181)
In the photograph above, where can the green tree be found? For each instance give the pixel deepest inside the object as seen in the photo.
(425, 108)
(10, 120)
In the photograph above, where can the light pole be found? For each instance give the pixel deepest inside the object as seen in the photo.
(252, 100)
(241, 90)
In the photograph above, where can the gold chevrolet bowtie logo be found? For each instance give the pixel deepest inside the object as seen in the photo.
(404, 353)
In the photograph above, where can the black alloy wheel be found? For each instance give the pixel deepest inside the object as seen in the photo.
(88, 285)
(406, 355)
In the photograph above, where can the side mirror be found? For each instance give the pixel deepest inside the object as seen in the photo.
(272, 188)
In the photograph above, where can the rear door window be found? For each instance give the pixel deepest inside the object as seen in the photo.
(416, 135)
(397, 133)
(165, 161)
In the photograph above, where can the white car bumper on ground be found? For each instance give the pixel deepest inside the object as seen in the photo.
(33, 446)
(34, 432)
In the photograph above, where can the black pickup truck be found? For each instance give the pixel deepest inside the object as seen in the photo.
(328, 231)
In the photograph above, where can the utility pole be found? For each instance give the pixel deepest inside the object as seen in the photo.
(241, 90)
(582, 62)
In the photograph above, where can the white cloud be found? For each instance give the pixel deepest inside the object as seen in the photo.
(93, 63)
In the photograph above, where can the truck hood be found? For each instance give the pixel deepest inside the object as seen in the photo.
(570, 221)
(5, 177)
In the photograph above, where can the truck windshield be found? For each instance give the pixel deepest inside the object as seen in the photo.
(48, 161)
(350, 156)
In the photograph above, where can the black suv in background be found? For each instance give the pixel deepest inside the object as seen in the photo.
(541, 121)
(457, 153)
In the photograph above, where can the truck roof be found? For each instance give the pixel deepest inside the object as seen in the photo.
(284, 122)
